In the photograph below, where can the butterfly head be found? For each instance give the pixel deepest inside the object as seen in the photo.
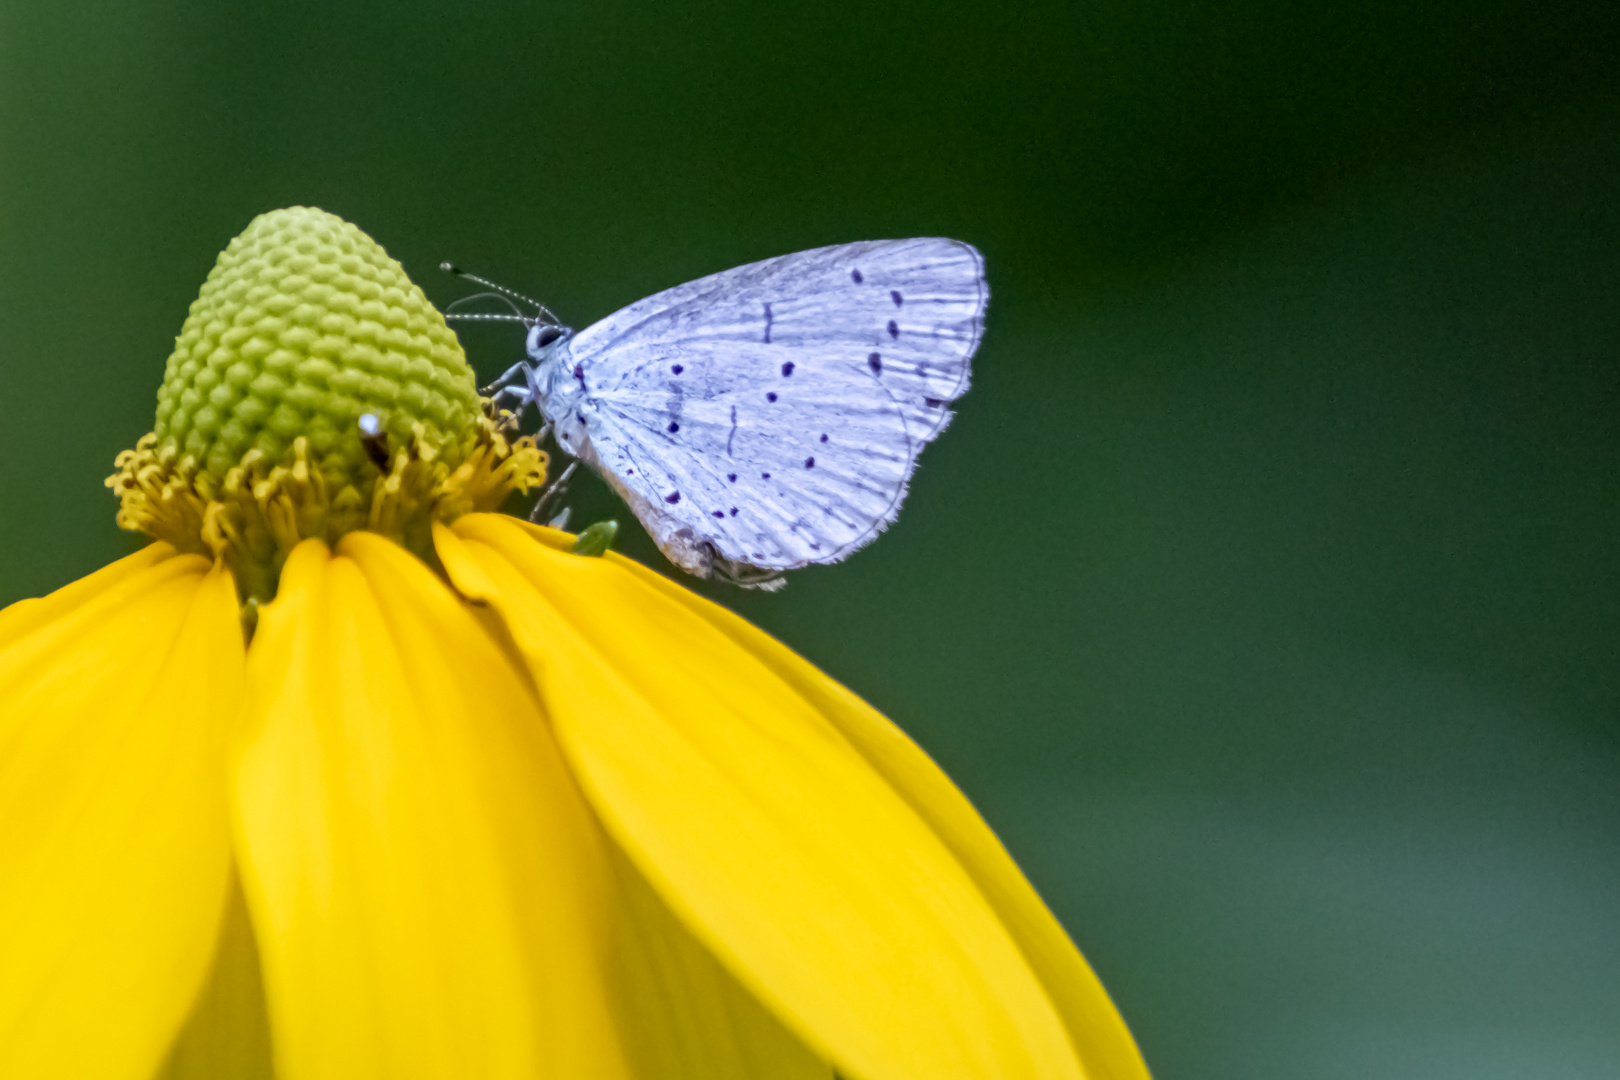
(544, 339)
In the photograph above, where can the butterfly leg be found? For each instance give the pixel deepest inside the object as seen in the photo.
(556, 487)
(510, 376)
(517, 394)
(531, 379)
(742, 574)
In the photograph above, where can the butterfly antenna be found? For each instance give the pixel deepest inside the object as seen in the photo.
(497, 297)
(468, 316)
(452, 268)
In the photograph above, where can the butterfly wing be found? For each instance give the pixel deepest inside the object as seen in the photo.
(731, 458)
(910, 312)
(772, 414)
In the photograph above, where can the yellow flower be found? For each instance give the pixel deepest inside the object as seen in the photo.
(468, 804)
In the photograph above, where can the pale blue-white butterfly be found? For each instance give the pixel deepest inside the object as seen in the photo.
(770, 415)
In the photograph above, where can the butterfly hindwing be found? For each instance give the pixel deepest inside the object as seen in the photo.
(771, 470)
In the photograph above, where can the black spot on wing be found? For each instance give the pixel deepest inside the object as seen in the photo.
(677, 369)
(672, 499)
(823, 436)
(787, 369)
(809, 462)
(855, 276)
(875, 362)
(673, 427)
(732, 477)
(932, 402)
(894, 294)
(894, 329)
(771, 397)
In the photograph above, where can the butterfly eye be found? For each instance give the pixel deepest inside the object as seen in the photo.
(547, 335)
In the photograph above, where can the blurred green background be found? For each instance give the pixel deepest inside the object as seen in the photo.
(1264, 593)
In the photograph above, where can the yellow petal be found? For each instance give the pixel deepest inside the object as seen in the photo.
(115, 695)
(25, 616)
(227, 1036)
(430, 890)
(683, 1016)
(787, 854)
(1095, 1026)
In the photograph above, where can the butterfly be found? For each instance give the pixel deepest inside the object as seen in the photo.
(768, 416)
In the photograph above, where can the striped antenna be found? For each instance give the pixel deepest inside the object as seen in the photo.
(541, 309)
(467, 316)
(497, 297)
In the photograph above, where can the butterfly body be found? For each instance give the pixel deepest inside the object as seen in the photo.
(770, 415)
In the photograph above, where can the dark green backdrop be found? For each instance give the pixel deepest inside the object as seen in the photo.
(1264, 594)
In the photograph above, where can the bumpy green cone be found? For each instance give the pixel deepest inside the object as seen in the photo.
(304, 323)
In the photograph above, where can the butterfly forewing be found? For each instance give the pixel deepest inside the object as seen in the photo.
(909, 312)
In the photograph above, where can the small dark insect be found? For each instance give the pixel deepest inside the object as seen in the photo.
(374, 440)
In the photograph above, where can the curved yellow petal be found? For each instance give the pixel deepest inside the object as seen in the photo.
(787, 854)
(1098, 1031)
(683, 1016)
(25, 616)
(430, 890)
(115, 696)
(227, 1036)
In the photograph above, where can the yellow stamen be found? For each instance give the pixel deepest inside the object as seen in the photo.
(261, 511)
